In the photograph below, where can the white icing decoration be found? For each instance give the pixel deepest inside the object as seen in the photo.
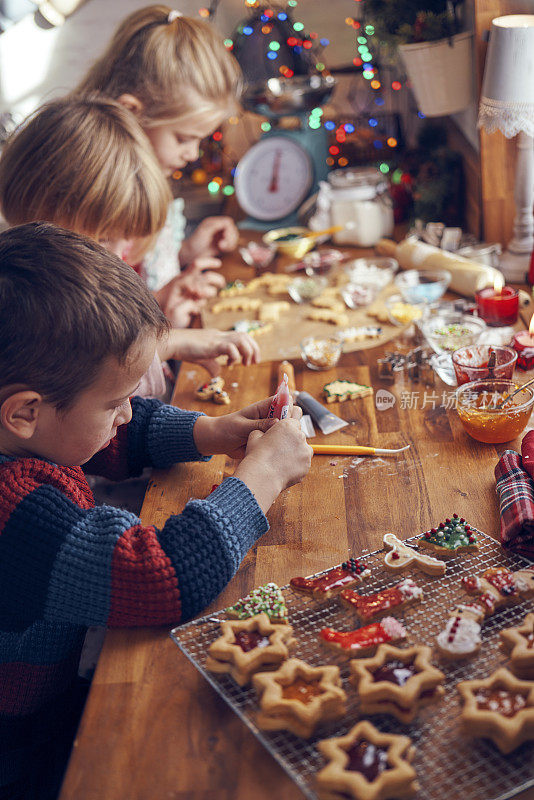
(393, 628)
(466, 636)
(409, 589)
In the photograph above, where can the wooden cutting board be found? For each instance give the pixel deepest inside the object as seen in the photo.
(282, 340)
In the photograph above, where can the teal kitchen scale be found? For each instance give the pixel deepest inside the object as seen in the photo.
(278, 173)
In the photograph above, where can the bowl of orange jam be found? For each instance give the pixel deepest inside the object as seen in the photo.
(489, 413)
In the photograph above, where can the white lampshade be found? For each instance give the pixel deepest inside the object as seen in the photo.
(507, 101)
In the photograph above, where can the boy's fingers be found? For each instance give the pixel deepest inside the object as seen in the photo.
(254, 436)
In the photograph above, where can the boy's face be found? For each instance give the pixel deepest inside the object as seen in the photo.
(73, 437)
(177, 143)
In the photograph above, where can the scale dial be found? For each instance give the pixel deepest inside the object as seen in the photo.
(273, 178)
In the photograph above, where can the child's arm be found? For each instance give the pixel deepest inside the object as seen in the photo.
(64, 561)
(158, 436)
(200, 345)
(213, 236)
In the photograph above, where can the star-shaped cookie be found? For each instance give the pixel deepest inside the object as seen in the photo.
(367, 765)
(397, 681)
(297, 697)
(519, 643)
(248, 646)
(500, 708)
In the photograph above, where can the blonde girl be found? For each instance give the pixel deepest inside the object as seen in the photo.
(85, 164)
(175, 74)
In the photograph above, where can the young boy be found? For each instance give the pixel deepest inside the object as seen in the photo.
(78, 329)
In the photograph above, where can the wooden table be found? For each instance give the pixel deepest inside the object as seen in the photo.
(153, 728)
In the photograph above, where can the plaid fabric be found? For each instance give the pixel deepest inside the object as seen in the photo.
(516, 499)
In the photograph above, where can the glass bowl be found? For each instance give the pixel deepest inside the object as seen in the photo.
(290, 241)
(448, 331)
(422, 286)
(475, 404)
(303, 289)
(471, 363)
(257, 255)
(321, 354)
(401, 313)
(375, 272)
(355, 295)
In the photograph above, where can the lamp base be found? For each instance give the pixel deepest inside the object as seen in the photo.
(514, 266)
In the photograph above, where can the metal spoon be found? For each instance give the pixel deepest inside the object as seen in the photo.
(501, 403)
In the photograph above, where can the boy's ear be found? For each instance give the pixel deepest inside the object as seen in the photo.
(19, 413)
(132, 103)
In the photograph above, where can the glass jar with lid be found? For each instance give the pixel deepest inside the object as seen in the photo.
(358, 199)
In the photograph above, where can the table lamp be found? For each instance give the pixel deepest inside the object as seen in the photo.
(507, 104)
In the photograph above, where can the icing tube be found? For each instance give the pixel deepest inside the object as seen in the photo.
(282, 401)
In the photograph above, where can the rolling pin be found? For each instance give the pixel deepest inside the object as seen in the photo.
(467, 276)
(286, 368)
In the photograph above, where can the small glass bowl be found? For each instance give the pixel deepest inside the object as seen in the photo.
(290, 241)
(304, 289)
(422, 286)
(257, 255)
(376, 272)
(475, 404)
(401, 313)
(471, 363)
(448, 331)
(320, 354)
(357, 295)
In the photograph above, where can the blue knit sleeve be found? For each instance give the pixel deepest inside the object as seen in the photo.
(158, 435)
(63, 563)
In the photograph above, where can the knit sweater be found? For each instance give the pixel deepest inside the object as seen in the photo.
(66, 564)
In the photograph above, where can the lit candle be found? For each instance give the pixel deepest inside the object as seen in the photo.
(523, 343)
(498, 306)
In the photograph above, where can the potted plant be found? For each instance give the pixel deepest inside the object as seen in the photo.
(436, 51)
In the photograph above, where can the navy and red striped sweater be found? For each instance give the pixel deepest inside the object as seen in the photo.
(66, 564)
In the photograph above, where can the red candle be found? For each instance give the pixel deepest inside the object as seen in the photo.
(498, 306)
(523, 343)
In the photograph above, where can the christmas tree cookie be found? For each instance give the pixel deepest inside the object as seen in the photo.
(452, 537)
(338, 391)
(267, 599)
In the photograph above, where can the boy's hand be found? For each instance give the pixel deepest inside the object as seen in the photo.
(275, 460)
(229, 434)
(213, 236)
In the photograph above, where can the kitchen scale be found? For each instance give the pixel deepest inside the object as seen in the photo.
(280, 171)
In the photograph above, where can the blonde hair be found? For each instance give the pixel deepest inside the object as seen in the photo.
(169, 63)
(84, 164)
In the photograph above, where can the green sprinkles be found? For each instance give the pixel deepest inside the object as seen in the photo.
(267, 599)
(451, 534)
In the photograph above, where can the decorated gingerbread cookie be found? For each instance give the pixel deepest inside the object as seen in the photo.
(236, 304)
(452, 537)
(208, 389)
(328, 301)
(339, 391)
(298, 697)
(397, 681)
(366, 764)
(519, 643)
(233, 289)
(328, 315)
(373, 606)
(460, 637)
(495, 588)
(500, 708)
(267, 599)
(220, 397)
(332, 582)
(401, 556)
(248, 646)
(356, 334)
(270, 312)
(364, 641)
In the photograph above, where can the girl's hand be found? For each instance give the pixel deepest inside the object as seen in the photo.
(213, 236)
(206, 344)
(199, 281)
